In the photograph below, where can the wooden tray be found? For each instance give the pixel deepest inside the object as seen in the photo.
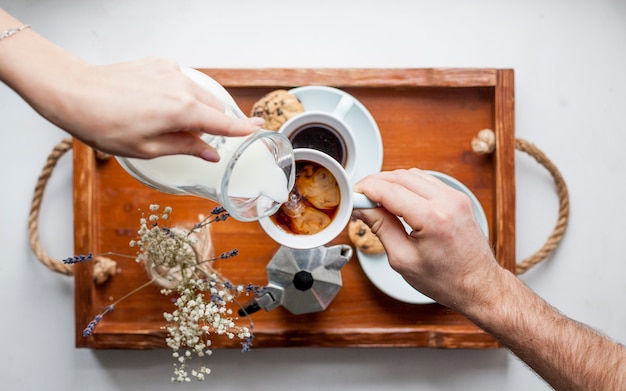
(427, 118)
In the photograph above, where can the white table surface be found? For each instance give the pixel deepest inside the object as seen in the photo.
(569, 59)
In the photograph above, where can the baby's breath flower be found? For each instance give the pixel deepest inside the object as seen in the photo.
(201, 308)
(247, 336)
(194, 319)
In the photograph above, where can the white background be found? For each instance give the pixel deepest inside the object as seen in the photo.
(569, 59)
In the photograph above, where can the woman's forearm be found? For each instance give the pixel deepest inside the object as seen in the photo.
(566, 353)
(36, 68)
(143, 108)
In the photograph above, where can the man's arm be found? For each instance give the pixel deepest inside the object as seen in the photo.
(447, 257)
(567, 354)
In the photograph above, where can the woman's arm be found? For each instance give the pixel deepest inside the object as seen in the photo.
(143, 108)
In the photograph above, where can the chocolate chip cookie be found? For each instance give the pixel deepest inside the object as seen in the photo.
(363, 238)
(276, 108)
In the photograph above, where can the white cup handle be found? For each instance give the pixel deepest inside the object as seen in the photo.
(362, 202)
(342, 108)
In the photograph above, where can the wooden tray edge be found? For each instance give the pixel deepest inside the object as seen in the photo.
(83, 156)
(504, 217)
(356, 77)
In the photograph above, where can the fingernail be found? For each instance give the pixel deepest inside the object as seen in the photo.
(357, 215)
(210, 155)
(257, 121)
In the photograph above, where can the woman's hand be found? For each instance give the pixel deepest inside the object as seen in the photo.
(144, 108)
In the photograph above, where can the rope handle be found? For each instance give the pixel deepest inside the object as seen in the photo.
(103, 267)
(484, 143)
(33, 217)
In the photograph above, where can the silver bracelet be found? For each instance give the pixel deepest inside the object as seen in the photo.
(9, 32)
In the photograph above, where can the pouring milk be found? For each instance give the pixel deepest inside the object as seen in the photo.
(251, 180)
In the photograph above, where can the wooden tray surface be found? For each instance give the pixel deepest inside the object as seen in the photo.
(427, 119)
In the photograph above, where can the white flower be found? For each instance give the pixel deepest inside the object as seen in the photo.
(201, 308)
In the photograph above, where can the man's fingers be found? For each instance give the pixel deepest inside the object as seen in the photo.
(387, 227)
(416, 181)
(396, 198)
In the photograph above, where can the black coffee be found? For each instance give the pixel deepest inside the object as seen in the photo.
(321, 138)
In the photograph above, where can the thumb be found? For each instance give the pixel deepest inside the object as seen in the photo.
(387, 227)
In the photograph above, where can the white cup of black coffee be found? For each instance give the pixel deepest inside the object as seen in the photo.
(325, 132)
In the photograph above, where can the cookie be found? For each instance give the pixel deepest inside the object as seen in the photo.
(363, 238)
(276, 108)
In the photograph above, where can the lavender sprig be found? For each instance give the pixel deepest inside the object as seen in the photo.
(92, 325)
(78, 259)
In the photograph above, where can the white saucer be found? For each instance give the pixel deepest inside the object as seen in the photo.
(369, 142)
(377, 269)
